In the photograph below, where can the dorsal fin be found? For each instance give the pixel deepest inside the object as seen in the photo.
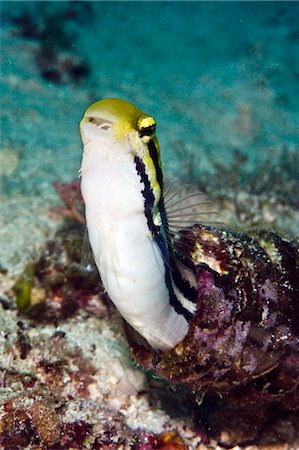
(186, 207)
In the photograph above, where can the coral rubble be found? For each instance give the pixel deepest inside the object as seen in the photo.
(243, 340)
(66, 378)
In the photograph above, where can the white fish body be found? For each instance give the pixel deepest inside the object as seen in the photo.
(128, 258)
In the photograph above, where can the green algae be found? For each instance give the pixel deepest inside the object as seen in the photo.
(23, 288)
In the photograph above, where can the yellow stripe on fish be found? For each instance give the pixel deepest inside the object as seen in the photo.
(129, 118)
(122, 186)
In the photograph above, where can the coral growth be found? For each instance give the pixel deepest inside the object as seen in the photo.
(32, 422)
(54, 396)
(70, 194)
(55, 57)
(164, 441)
(60, 68)
(243, 340)
(61, 386)
(57, 284)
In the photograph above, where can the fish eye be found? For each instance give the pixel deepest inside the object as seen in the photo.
(146, 128)
(100, 123)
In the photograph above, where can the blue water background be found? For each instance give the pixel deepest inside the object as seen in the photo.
(216, 75)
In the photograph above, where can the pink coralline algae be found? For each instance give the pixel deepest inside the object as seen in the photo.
(70, 194)
(243, 339)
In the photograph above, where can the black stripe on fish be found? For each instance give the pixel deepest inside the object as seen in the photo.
(148, 195)
(149, 199)
(154, 154)
(153, 151)
(184, 286)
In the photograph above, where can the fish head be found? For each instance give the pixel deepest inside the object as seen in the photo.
(118, 124)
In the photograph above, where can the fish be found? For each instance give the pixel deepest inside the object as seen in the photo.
(132, 232)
